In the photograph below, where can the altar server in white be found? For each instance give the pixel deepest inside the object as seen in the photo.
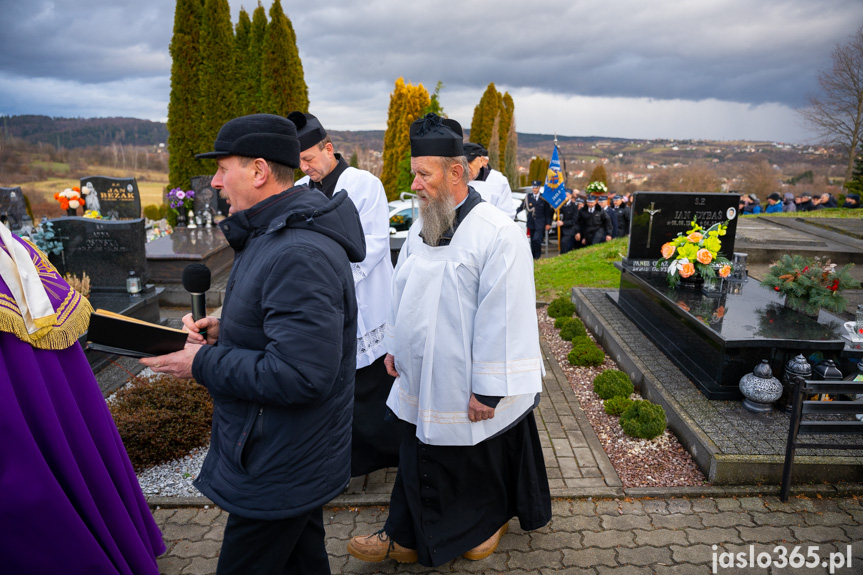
(464, 347)
(376, 438)
(491, 184)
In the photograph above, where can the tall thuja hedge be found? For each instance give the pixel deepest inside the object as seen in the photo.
(493, 109)
(510, 156)
(218, 98)
(407, 103)
(256, 51)
(185, 113)
(245, 83)
(283, 85)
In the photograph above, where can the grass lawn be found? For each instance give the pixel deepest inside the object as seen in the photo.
(587, 267)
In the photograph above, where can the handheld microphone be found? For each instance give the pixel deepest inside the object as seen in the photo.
(196, 281)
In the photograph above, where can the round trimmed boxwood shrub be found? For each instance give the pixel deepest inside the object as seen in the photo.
(560, 307)
(162, 419)
(585, 353)
(561, 321)
(643, 419)
(612, 383)
(616, 405)
(572, 328)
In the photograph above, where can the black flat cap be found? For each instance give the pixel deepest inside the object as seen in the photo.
(775, 197)
(472, 151)
(266, 136)
(309, 129)
(436, 136)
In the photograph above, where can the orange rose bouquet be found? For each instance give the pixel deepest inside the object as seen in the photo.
(696, 253)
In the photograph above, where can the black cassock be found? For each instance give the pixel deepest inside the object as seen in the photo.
(448, 499)
(376, 437)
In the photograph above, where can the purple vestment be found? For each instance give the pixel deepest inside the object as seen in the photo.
(70, 502)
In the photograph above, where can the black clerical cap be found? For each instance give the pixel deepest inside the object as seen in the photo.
(309, 129)
(266, 136)
(436, 136)
(472, 151)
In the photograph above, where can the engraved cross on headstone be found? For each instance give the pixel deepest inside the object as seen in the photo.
(652, 212)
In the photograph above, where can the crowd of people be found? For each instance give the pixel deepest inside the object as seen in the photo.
(583, 219)
(788, 202)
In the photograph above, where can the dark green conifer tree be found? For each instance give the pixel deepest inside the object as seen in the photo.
(184, 111)
(244, 82)
(283, 85)
(218, 96)
(256, 51)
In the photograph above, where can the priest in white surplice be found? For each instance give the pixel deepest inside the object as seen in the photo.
(375, 438)
(465, 349)
(491, 184)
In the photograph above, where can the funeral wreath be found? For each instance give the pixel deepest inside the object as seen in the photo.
(808, 284)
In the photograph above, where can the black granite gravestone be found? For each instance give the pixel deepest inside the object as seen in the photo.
(114, 198)
(13, 209)
(657, 218)
(208, 196)
(107, 250)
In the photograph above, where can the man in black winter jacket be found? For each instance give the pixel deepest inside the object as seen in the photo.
(280, 364)
(593, 224)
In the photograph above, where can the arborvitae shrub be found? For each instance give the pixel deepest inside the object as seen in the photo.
(154, 212)
(612, 383)
(560, 307)
(585, 353)
(643, 419)
(162, 419)
(571, 329)
(616, 405)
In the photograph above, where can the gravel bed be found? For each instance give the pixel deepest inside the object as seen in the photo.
(658, 462)
(174, 479)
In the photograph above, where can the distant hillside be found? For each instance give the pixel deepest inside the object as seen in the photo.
(82, 132)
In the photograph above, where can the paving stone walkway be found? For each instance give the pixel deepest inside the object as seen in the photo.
(597, 537)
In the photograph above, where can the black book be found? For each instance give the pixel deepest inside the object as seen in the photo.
(118, 334)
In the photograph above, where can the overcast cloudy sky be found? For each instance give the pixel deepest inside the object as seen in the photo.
(711, 69)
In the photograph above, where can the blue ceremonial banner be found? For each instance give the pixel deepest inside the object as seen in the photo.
(555, 182)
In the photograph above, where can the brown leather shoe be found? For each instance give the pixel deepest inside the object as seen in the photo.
(378, 546)
(483, 550)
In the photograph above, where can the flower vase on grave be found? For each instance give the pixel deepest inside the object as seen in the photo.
(71, 211)
(181, 219)
(692, 282)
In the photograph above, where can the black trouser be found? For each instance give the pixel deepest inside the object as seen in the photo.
(294, 545)
(567, 241)
(536, 237)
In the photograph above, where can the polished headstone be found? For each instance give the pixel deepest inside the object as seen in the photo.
(107, 250)
(13, 208)
(167, 256)
(208, 196)
(114, 198)
(658, 217)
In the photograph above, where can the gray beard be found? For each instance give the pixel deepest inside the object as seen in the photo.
(438, 216)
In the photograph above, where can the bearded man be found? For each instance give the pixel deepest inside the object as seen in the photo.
(464, 349)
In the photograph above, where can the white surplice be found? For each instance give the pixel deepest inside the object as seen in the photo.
(373, 275)
(496, 191)
(464, 321)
